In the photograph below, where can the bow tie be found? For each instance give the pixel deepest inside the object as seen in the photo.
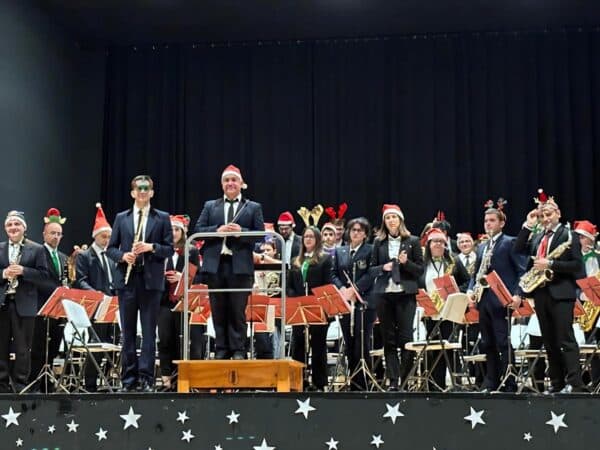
(589, 255)
(437, 259)
(231, 202)
(179, 250)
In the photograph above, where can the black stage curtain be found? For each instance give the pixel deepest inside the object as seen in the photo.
(429, 122)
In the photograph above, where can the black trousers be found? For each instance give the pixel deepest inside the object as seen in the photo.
(228, 309)
(396, 313)
(318, 348)
(20, 331)
(556, 323)
(363, 318)
(439, 371)
(55, 330)
(495, 340)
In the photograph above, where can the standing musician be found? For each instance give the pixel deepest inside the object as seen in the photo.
(24, 269)
(228, 262)
(56, 262)
(169, 322)
(141, 241)
(438, 262)
(396, 265)
(96, 271)
(496, 254)
(352, 261)
(311, 268)
(467, 253)
(285, 225)
(587, 233)
(558, 251)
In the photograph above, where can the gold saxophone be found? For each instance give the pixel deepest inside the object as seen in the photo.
(587, 321)
(480, 280)
(435, 296)
(71, 266)
(534, 278)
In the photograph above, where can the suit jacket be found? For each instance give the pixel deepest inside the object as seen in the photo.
(409, 272)
(250, 218)
(194, 259)
(459, 272)
(158, 232)
(357, 267)
(565, 267)
(53, 280)
(90, 273)
(318, 274)
(508, 263)
(296, 245)
(35, 272)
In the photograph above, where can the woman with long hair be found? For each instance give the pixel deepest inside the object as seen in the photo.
(396, 265)
(311, 268)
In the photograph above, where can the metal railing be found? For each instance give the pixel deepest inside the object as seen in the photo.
(187, 290)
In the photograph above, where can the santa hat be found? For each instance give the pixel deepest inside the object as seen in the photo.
(392, 209)
(232, 170)
(586, 228)
(53, 216)
(180, 221)
(543, 199)
(286, 218)
(436, 233)
(100, 224)
(16, 215)
(328, 225)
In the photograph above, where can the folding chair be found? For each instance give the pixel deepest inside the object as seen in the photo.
(84, 341)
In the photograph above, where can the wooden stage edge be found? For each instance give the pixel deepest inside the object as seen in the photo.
(283, 375)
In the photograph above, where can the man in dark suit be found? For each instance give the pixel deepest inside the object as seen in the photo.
(285, 226)
(97, 272)
(23, 268)
(555, 249)
(140, 242)
(46, 328)
(228, 263)
(496, 254)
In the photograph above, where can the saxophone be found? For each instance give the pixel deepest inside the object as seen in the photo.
(591, 312)
(435, 296)
(534, 278)
(480, 281)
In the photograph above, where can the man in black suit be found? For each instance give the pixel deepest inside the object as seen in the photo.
(95, 271)
(554, 298)
(23, 268)
(140, 242)
(496, 254)
(46, 327)
(285, 226)
(228, 263)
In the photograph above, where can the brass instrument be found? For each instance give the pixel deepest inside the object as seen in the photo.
(435, 296)
(591, 312)
(136, 239)
(481, 283)
(13, 283)
(534, 278)
(70, 274)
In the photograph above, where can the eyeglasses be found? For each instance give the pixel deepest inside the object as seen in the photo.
(438, 241)
(142, 188)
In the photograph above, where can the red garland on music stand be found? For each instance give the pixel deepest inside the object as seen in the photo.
(591, 288)
(425, 302)
(330, 297)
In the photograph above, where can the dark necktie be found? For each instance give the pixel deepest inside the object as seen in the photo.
(230, 210)
(543, 248)
(352, 253)
(467, 258)
(104, 263)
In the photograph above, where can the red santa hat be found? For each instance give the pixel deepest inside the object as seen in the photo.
(232, 170)
(392, 209)
(286, 218)
(53, 216)
(180, 221)
(100, 224)
(436, 233)
(585, 228)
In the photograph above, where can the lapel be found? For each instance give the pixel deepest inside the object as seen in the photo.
(240, 211)
(220, 213)
(150, 223)
(559, 238)
(129, 224)
(4, 254)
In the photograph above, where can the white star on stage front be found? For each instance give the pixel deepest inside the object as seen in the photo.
(377, 441)
(72, 426)
(19, 442)
(557, 422)
(11, 417)
(475, 417)
(304, 407)
(233, 417)
(263, 446)
(187, 436)
(101, 434)
(527, 437)
(393, 412)
(332, 444)
(182, 417)
(51, 429)
(218, 447)
(131, 419)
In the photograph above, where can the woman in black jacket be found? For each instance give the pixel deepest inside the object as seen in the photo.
(396, 265)
(311, 268)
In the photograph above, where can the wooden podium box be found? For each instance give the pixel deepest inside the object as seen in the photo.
(284, 375)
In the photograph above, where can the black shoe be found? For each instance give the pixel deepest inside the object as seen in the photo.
(128, 388)
(393, 387)
(238, 356)
(145, 387)
(91, 389)
(570, 389)
(553, 390)
(222, 354)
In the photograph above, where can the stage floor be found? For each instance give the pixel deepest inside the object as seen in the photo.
(268, 421)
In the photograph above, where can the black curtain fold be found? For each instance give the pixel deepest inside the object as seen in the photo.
(432, 122)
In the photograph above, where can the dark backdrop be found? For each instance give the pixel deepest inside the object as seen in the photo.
(430, 122)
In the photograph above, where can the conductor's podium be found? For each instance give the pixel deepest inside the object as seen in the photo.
(284, 375)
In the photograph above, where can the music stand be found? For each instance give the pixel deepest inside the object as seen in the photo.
(176, 289)
(425, 302)
(591, 288)
(108, 313)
